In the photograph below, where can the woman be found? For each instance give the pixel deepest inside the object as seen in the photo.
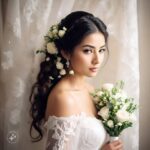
(75, 49)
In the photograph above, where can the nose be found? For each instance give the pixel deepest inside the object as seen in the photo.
(96, 58)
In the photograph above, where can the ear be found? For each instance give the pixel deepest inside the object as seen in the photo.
(65, 54)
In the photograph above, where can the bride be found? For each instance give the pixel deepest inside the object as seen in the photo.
(61, 103)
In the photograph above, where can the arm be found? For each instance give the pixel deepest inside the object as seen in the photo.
(61, 132)
(62, 122)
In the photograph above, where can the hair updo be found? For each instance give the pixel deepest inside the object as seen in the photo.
(79, 24)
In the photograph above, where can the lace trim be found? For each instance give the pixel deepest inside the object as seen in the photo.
(60, 129)
(81, 114)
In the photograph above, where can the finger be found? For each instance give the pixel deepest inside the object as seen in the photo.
(115, 143)
(119, 147)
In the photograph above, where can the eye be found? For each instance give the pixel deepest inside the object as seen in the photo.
(102, 50)
(87, 51)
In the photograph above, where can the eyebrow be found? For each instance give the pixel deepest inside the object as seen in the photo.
(93, 46)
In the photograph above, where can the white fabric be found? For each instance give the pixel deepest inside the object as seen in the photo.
(75, 132)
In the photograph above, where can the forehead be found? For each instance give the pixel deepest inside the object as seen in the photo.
(96, 39)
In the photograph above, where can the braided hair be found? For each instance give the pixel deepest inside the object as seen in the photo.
(79, 24)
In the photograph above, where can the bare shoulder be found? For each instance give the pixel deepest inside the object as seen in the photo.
(60, 103)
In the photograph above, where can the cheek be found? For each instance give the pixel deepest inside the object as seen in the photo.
(101, 58)
(80, 62)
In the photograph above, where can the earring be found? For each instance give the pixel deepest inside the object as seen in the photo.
(67, 63)
(71, 72)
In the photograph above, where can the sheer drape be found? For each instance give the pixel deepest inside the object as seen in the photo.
(24, 23)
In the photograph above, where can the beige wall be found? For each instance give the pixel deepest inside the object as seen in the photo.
(144, 41)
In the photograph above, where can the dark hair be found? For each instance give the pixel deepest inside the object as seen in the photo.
(79, 24)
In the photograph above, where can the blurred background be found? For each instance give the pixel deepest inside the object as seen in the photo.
(23, 23)
(144, 55)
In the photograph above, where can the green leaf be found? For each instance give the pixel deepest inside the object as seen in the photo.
(40, 51)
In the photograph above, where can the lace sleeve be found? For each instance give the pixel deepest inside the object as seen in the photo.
(60, 131)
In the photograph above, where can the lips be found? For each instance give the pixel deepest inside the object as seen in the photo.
(94, 69)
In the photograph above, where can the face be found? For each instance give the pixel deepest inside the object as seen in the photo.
(88, 55)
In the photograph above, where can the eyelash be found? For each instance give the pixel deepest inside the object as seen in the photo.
(102, 50)
(88, 50)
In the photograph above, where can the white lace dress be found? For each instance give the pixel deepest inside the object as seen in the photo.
(76, 132)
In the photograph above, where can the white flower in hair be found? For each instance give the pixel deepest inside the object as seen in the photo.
(51, 48)
(50, 77)
(50, 34)
(46, 38)
(64, 28)
(47, 59)
(59, 58)
(62, 71)
(54, 26)
(61, 33)
(59, 65)
(54, 32)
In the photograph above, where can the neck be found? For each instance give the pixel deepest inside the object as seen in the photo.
(77, 81)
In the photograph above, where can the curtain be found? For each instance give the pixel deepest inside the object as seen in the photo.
(23, 23)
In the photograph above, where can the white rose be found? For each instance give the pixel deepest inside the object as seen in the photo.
(46, 39)
(59, 58)
(59, 65)
(104, 112)
(50, 34)
(101, 104)
(55, 31)
(51, 48)
(62, 71)
(110, 123)
(99, 93)
(61, 33)
(107, 86)
(122, 115)
(54, 27)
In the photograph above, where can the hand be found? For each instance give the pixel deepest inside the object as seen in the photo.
(115, 145)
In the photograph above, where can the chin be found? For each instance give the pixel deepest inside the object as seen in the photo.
(92, 74)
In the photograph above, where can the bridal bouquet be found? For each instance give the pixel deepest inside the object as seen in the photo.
(115, 108)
